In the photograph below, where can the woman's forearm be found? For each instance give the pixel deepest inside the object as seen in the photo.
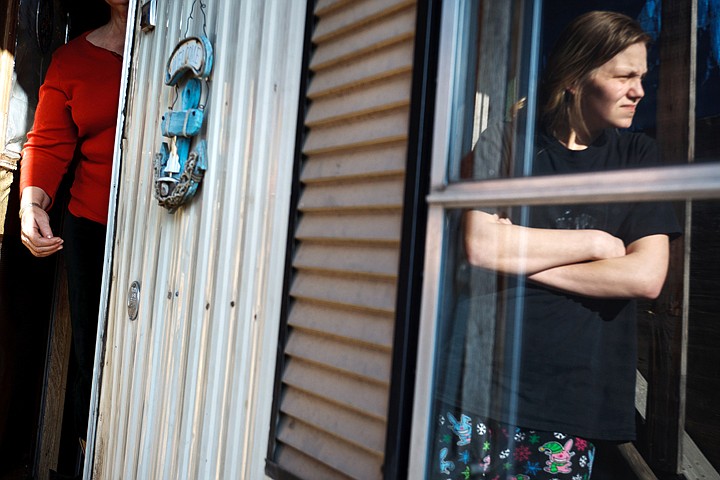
(35, 195)
(496, 244)
(639, 274)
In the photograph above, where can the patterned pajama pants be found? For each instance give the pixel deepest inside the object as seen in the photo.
(469, 448)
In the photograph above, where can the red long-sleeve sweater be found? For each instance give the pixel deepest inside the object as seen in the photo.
(77, 109)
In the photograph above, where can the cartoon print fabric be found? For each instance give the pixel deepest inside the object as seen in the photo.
(473, 448)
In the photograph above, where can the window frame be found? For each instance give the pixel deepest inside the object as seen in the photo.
(684, 182)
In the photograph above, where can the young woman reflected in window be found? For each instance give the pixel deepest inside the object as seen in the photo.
(564, 379)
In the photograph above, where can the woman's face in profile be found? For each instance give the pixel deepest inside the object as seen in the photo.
(614, 89)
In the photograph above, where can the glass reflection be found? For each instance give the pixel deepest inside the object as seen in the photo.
(592, 86)
(537, 346)
(537, 340)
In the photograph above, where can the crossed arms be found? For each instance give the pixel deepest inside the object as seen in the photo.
(591, 263)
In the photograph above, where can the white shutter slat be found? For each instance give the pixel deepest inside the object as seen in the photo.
(388, 94)
(352, 228)
(358, 394)
(357, 360)
(329, 417)
(329, 449)
(361, 41)
(377, 128)
(369, 260)
(361, 293)
(364, 327)
(374, 162)
(377, 66)
(359, 196)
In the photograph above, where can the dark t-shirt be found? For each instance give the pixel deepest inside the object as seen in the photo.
(574, 370)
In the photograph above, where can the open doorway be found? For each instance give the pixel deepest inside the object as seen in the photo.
(32, 314)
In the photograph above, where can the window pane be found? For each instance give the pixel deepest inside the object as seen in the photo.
(703, 379)
(497, 79)
(556, 351)
(707, 123)
(550, 352)
(482, 97)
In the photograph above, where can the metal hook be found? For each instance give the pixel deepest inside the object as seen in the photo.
(204, 92)
(175, 97)
(190, 17)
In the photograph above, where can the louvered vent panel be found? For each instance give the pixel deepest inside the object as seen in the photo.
(335, 383)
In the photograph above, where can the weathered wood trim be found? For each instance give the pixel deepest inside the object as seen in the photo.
(7, 64)
(695, 466)
(56, 373)
(675, 133)
(636, 461)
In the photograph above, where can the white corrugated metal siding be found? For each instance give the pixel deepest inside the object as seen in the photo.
(179, 396)
(335, 383)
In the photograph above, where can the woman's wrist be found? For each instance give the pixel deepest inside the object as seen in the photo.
(36, 195)
(28, 205)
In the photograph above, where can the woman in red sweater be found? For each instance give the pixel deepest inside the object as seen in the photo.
(75, 120)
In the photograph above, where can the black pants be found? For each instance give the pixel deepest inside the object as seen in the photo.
(84, 249)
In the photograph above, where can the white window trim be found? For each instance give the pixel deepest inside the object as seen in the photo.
(120, 145)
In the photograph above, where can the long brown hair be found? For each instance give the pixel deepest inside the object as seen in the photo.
(587, 43)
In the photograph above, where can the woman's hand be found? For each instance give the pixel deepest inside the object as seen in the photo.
(36, 233)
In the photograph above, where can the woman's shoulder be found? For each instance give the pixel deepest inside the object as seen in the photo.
(630, 137)
(72, 49)
(637, 147)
